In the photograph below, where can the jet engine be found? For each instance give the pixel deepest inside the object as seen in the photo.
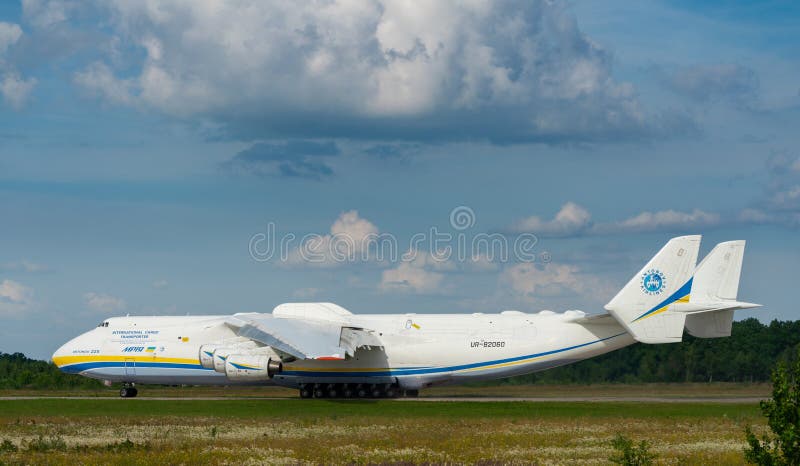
(253, 367)
(206, 353)
(221, 353)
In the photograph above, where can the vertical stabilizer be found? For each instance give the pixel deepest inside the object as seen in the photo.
(641, 306)
(715, 288)
(717, 276)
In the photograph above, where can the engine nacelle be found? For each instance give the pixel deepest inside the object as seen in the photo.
(221, 353)
(206, 352)
(251, 367)
(206, 355)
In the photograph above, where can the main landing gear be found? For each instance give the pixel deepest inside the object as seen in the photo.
(128, 391)
(348, 390)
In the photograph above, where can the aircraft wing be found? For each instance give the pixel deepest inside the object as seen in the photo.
(303, 338)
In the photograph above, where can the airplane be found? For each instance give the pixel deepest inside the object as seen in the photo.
(325, 351)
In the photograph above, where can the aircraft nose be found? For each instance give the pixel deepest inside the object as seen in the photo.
(58, 356)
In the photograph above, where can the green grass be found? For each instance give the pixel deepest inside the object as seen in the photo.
(293, 431)
(303, 409)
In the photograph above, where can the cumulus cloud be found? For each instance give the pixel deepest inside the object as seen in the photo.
(411, 277)
(14, 88)
(509, 71)
(714, 82)
(664, 220)
(571, 220)
(14, 297)
(574, 220)
(293, 159)
(99, 80)
(103, 303)
(9, 35)
(350, 240)
(46, 13)
(532, 283)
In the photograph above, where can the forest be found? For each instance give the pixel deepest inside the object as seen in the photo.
(748, 355)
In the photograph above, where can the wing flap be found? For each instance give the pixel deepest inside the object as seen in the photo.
(303, 338)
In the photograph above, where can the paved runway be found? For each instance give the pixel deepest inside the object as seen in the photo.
(577, 399)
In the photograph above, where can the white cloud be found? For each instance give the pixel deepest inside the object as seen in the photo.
(46, 13)
(350, 240)
(756, 216)
(511, 71)
(99, 80)
(103, 303)
(423, 272)
(531, 283)
(9, 35)
(663, 220)
(14, 297)
(160, 284)
(16, 89)
(571, 220)
(410, 278)
(574, 220)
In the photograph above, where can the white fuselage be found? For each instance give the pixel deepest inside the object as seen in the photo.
(417, 350)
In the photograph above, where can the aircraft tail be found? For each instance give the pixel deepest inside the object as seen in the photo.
(641, 306)
(669, 294)
(714, 291)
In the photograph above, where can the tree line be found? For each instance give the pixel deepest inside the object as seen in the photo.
(18, 371)
(748, 355)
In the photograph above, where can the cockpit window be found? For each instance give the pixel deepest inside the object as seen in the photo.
(103, 324)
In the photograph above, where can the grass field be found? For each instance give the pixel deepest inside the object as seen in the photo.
(292, 431)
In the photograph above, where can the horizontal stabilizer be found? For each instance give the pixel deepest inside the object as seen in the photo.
(716, 324)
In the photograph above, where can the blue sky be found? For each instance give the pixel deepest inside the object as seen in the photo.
(144, 144)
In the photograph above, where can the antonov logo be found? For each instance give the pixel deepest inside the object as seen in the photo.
(653, 282)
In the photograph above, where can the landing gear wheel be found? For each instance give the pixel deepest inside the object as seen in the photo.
(348, 392)
(306, 392)
(377, 393)
(362, 393)
(128, 392)
(319, 392)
